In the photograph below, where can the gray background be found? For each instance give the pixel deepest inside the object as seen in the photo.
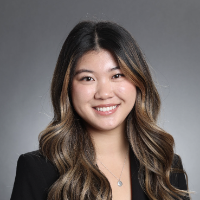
(32, 33)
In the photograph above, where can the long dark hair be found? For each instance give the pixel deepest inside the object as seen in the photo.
(66, 143)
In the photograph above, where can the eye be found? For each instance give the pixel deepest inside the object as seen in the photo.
(87, 78)
(118, 75)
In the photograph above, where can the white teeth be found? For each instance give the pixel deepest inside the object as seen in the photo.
(103, 109)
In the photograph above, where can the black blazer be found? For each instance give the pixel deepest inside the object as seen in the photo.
(35, 175)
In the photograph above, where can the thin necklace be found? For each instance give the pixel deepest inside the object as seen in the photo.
(119, 183)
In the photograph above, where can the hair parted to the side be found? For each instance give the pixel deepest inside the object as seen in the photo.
(66, 143)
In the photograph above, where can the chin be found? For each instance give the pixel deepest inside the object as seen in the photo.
(106, 127)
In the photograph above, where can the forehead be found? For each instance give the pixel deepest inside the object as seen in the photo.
(100, 59)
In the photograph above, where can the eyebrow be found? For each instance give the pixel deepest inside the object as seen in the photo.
(90, 71)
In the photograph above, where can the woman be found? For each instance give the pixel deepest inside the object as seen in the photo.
(103, 142)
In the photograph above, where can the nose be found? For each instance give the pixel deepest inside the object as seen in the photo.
(104, 90)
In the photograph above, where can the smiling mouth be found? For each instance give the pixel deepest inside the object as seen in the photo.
(106, 108)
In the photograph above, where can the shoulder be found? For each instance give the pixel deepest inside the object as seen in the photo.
(34, 176)
(177, 175)
(34, 158)
(177, 162)
(35, 162)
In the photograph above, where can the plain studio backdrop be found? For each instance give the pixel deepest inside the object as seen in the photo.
(31, 35)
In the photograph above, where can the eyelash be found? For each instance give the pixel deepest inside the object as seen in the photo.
(121, 75)
(88, 78)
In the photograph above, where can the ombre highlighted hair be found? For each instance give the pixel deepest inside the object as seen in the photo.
(65, 141)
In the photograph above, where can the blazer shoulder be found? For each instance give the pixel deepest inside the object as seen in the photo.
(34, 160)
(33, 156)
(34, 176)
(177, 162)
(177, 175)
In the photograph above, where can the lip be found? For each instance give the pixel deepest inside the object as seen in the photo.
(106, 112)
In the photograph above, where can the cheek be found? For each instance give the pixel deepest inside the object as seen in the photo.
(128, 91)
(81, 93)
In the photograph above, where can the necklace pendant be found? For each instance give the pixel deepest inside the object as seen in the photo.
(119, 183)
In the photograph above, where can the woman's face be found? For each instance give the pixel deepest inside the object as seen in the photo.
(101, 95)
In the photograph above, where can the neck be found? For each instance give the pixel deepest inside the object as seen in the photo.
(109, 143)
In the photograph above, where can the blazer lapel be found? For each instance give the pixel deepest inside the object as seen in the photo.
(137, 192)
